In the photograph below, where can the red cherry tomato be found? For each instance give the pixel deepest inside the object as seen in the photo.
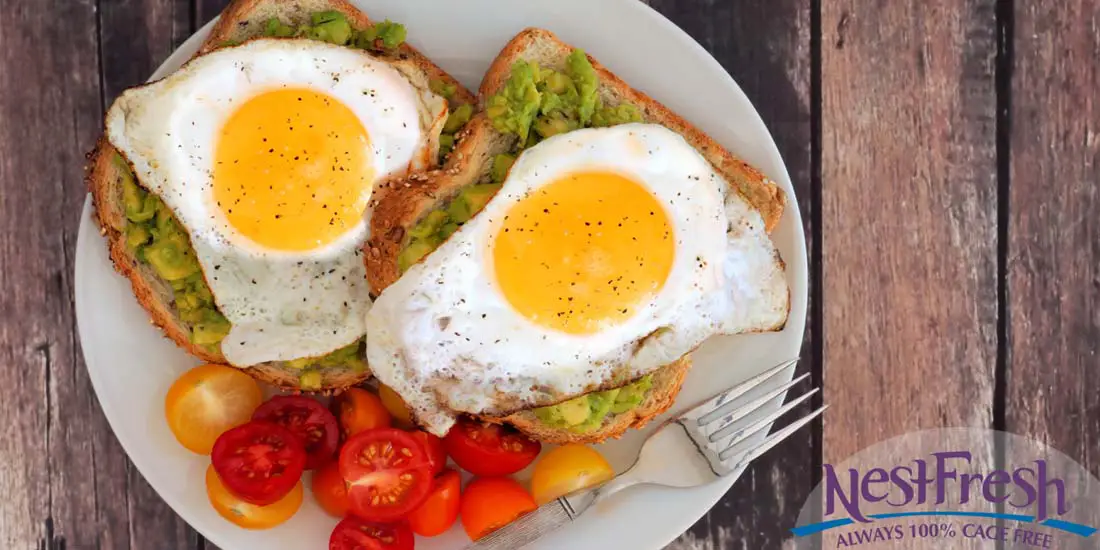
(489, 450)
(440, 510)
(387, 472)
(490, 503)
(437, 456)
(309, 420)
(260, 462)
(353, 533)
(330, 490)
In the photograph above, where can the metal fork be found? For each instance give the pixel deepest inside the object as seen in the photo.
(708, 442)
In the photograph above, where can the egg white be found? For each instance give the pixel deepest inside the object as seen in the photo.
(282, 304)
(448, 341)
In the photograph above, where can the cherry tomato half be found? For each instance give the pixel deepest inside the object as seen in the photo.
(360, 410)
(244, 514)
(260, 462)
(208, 400)
(330, 490)
(489, 503)
(568, 469)
(387, 472)
(489, 450)
(440, 510)
(355, 534)
(437, 455)
(307, 419)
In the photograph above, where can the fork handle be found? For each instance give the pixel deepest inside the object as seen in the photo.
(527, 529)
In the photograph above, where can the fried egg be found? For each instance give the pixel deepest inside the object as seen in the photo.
(607, 254)
(267, 154)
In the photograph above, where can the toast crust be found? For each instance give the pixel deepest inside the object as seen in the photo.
(667, 382)
(241, 19)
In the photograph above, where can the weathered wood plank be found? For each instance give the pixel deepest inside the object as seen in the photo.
(205, 10)
(909, 210)
(135, 37)
(766, 47)
(54, 490)
(1053, 256)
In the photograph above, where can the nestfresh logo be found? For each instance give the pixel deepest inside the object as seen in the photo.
(902, 486)
(988, 486)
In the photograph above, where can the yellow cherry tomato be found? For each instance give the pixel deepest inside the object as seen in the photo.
(566, 469)
(248, 515)
(396, 406)
(207, 401)
(360, 410)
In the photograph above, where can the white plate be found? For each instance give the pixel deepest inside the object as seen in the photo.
(131, 366)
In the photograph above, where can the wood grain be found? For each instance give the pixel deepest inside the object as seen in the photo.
(1053, 267)
(56, 488)
(136, 36)
(909, 212)
(766, 48)
(205, 10)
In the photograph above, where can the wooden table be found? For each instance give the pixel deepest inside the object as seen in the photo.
(946, 156)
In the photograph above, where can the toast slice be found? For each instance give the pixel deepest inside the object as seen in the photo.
(407, 202)
(241, 20)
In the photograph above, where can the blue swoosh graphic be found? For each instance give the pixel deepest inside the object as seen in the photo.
(1074, 528)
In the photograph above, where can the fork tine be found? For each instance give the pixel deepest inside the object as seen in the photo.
(744, 410)
(772, 440)
(732, 435)
(724, 399)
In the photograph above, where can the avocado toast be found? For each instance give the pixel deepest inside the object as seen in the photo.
(147, 244)
(414, 216)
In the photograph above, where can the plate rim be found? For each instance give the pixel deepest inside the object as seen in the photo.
(798, 279)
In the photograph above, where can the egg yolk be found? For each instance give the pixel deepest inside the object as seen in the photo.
(293, 169)
(583, 252)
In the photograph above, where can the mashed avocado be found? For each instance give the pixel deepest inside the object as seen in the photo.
(514, 108)
(439, 224)
(584, 77)
(350, 355)
(333, 26)
(456, 119)
(551, 102)
(619, 114)
(587, 413)
(156, 239)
